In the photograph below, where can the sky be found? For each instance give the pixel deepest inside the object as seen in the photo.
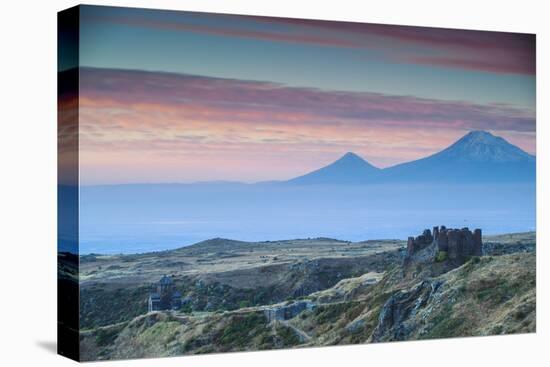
(185, 97)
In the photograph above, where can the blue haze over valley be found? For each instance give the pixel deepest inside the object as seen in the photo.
(481, 180)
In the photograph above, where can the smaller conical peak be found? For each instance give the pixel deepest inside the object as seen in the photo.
(351, 159)
(351, 155)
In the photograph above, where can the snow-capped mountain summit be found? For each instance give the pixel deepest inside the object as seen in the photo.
(482, 146)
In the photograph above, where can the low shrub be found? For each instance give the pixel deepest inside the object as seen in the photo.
(288, 337)
(105, 337)
(238, 330)
(441, 256)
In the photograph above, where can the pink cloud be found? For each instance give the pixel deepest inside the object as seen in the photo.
(136, 125)
(214, 99)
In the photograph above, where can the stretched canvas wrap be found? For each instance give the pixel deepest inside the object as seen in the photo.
(240, 183)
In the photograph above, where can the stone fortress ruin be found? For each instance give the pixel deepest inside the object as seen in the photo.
(454, 246)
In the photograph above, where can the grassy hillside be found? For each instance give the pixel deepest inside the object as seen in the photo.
(487, 295)
(222, 275)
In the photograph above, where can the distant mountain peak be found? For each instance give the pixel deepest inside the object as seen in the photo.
(350, 156)
(478, 156)
(480, 135)
(349, 168)
(351, 161)
(482, 146)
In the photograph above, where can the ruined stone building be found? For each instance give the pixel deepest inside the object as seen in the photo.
(163, 296)
(445, 244)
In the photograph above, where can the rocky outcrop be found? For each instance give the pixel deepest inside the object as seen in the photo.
(397, 318)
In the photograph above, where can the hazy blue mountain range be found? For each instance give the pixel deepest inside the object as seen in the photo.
(478, 156)
(479, 181)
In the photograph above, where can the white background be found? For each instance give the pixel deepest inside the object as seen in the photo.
(28, 182)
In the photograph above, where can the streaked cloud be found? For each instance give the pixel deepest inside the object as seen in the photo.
(265, 103)
(496, 52)
(493, 52)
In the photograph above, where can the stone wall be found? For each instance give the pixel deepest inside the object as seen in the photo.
(420, 242)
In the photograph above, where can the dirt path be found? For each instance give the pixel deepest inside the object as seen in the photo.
(304, 337)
